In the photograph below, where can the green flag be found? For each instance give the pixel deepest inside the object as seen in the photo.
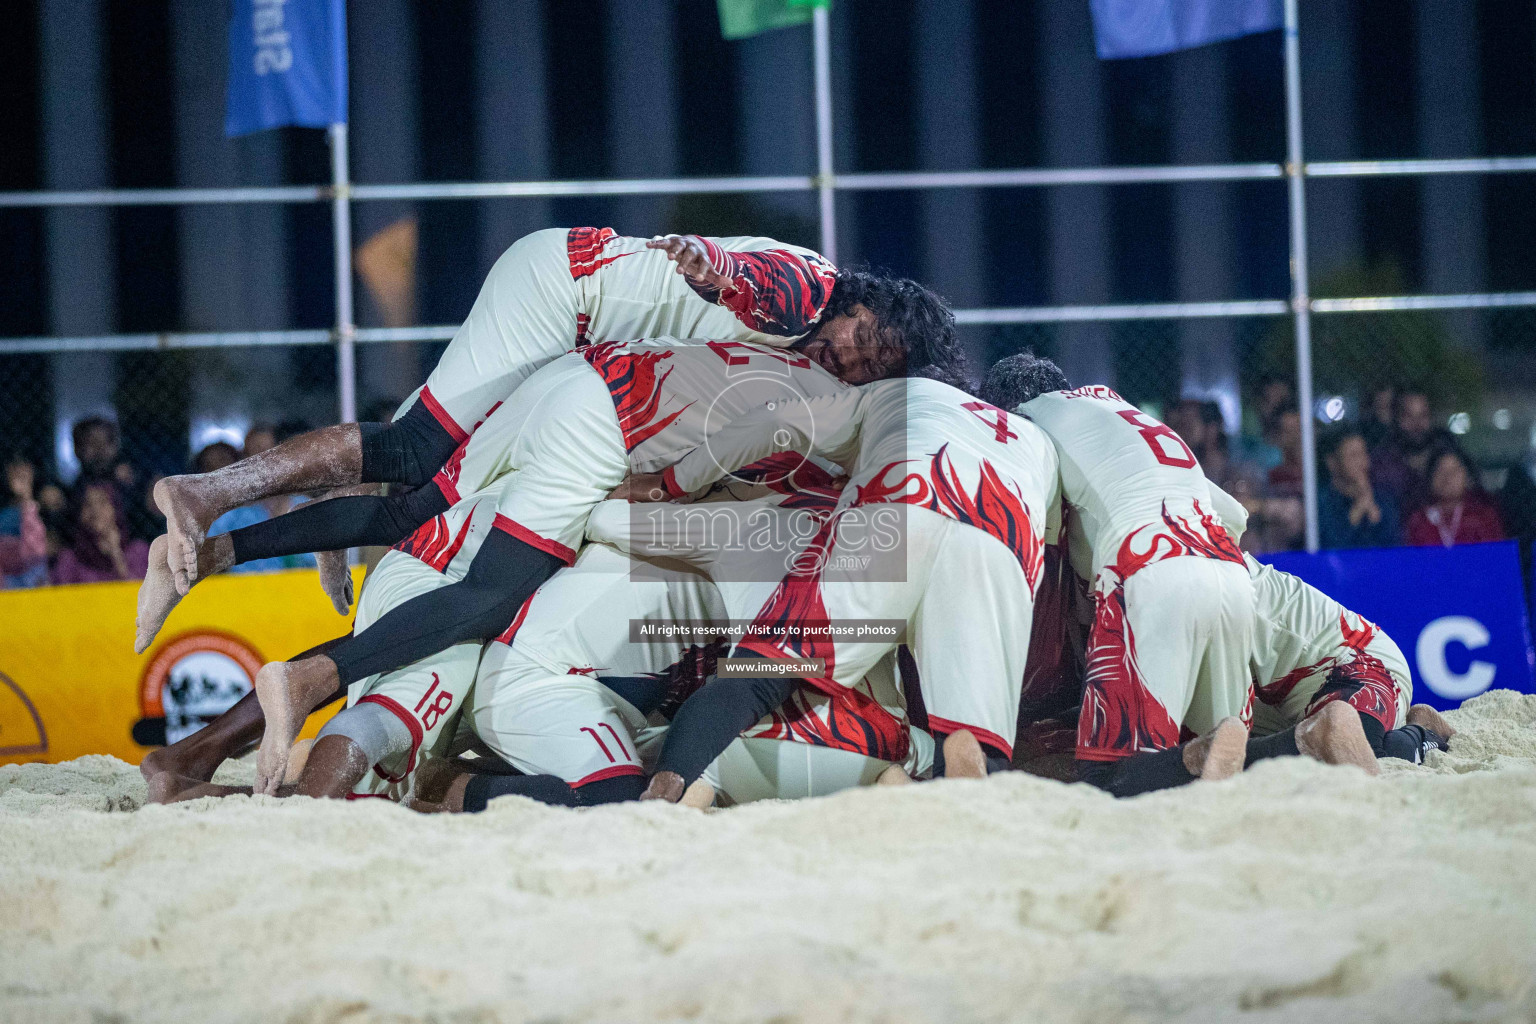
(742, 18)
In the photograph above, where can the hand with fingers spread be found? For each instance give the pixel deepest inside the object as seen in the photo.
(691, 254)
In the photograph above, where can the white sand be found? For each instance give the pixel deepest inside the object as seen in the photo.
(1296, 892)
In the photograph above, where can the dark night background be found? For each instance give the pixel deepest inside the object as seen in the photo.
(463, 90)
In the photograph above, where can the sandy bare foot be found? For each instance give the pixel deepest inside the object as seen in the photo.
(666, 786)
(1426, 717)
(298, 757)
(285, 716)
(162, 780)
(1334, 736)
(1220, 753)
(963, 758)
(335, 579)
(700, 795)
(157, 597)
(187, 517)
(894, 775)
(201, 789)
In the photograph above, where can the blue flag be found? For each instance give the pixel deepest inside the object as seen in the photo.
(287, 64)
(1141, 28)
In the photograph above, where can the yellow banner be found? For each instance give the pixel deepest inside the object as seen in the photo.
(70, 683)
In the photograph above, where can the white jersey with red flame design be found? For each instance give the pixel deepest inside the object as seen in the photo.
(1302, 636)
(910, 441)
(1121, 472)
(670, 393)
(625, 290)
(558, 289)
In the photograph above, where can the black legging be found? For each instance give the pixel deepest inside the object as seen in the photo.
(339, 523)
(504, 573)
(547, 789)
(408, 451)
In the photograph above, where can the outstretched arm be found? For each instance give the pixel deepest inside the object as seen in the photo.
(773, 291)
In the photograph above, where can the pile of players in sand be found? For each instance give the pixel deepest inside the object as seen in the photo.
(1296, 891)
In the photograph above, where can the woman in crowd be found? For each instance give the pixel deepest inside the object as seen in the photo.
(23, 538)
(1457, 511)
(102, 549)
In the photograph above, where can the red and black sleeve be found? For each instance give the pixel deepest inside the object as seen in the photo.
(773, 291)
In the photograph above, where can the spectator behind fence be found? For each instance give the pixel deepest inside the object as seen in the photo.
(1376, 419)
(258, 439)
(1401, 463)
(23, 538)
(1284, 432)
(1351, 513)
(102, 550)
(98, 449)
(1458, 511)
(1254, 445)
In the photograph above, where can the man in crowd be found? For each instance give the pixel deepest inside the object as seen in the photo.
(1352, 512)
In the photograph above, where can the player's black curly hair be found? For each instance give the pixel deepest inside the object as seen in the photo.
(1014, 380)
(946, 375)
(911, 317)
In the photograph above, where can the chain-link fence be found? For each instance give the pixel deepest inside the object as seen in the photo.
(1415, 384)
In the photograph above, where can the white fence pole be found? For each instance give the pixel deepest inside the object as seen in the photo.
(821, 33)
(341, 234)
(1301, 308)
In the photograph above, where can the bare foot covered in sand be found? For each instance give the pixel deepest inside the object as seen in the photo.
(895, 775)
(1220, 753)
(157, 597)
(1334, 735)
(162, 779)
(335, 579)
(202, 789)
(1426, 717)
(187, 518)
(666, 786)
(963, 758)
(286, 691)
(699, 795)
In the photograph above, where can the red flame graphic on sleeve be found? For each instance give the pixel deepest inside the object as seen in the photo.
(635, 384)
(773, 291)
(584, 247)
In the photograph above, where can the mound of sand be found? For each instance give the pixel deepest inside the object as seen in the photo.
(1295, 892)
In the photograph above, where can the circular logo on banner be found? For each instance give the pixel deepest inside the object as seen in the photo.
(21, 728)
(195, 678)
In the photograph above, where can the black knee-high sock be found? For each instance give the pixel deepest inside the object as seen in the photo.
(1281, 744)
(996, 760)
(1140, 773)
(547, 789)
(1411, 743)
(410, 450)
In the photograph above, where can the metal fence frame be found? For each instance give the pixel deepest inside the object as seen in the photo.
(826, 183)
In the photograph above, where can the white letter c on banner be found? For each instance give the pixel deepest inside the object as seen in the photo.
(1430, 654)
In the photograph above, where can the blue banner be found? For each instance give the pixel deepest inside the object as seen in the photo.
(287, 64)
(1142, 28)
(1457, 613)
